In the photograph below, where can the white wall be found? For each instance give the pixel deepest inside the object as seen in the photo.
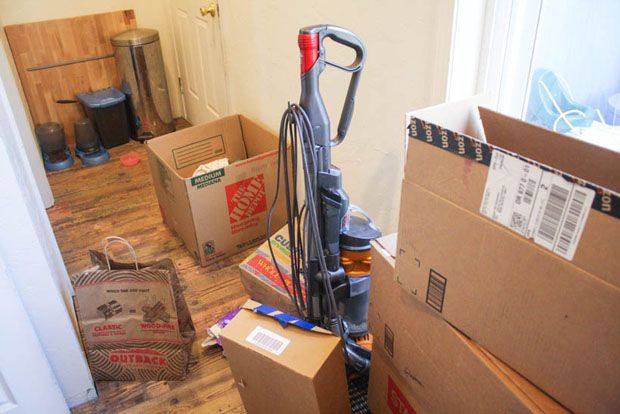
(30, 252)
(149, 13)
(24, 122)
(408, 43)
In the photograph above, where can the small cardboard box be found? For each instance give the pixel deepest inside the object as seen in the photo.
(282, 365)
(260, 276)
(222, 212)
(514, 241)
(422, 364)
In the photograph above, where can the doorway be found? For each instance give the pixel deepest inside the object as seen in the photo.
(200, 57)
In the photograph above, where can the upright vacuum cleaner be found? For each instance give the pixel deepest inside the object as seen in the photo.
(329, 238)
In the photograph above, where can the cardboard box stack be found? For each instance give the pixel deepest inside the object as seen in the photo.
(221, 212)
(420, 363)
(508, 233)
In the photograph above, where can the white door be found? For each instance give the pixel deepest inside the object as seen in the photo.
(200, 57)
(27, 382)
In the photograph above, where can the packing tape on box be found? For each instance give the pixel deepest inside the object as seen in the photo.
(283, 318)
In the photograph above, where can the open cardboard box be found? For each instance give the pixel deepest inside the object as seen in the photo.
(531, 273)
(222, 212)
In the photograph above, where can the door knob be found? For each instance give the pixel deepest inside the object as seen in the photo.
(210, 9)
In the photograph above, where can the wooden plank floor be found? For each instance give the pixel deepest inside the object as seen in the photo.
(110, 199)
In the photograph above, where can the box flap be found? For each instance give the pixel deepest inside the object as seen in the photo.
(183, 151)
(258, 139)
(455, 142)
(590, 162)
(459, 116)
(389, 243)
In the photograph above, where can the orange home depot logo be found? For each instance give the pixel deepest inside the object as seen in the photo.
(138, 358)
(396, 401)
(246, 198)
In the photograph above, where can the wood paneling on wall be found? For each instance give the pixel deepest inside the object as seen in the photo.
(57, 41)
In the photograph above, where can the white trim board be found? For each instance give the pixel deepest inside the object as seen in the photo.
(29, 251)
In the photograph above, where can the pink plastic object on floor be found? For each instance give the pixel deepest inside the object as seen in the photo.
(130, 159)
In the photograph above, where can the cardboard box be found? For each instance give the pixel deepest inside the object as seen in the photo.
(260, 277)
(387, 390)
(422, 364)
(297, 369)
(550, 310)
(222, 212)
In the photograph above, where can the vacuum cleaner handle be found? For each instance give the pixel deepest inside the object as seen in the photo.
(347, 38)
(312, 64)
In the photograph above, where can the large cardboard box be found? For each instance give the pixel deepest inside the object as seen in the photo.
(298, 368)
(514, 241)
(222, 212)
(422, 364)
(260, 277)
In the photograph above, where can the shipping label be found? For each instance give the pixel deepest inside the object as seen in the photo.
(268, 340)
(536, 203)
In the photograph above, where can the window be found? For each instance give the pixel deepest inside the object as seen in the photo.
(556, 63)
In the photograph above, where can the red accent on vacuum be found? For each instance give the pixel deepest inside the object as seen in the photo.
(309, 49)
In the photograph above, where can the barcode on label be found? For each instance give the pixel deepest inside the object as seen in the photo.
(529, 191)
(552, 214)
(436, 290)
(575, 210)
(537, 204)
(267, 340)
(517, 220)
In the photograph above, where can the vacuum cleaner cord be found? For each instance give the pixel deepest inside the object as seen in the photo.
(296, 134)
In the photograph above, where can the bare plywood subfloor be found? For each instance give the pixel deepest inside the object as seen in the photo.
(94, 202)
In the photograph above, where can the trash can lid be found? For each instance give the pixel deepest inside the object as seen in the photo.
(135, 37)
(103, 98)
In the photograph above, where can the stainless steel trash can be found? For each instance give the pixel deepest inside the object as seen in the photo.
(143, 80)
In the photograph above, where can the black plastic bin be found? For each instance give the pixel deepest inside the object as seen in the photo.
(107, 110)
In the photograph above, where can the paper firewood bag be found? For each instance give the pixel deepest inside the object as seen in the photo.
(133, 318)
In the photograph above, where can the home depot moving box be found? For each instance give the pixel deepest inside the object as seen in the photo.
(294, 369)
(422, 364)
(222, 212)
(260, 276)
(515, 243)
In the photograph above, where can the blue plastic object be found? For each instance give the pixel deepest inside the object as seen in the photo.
(104, 98)
(58, 165)
(92, 159)
(550, 98)
(107, 110)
